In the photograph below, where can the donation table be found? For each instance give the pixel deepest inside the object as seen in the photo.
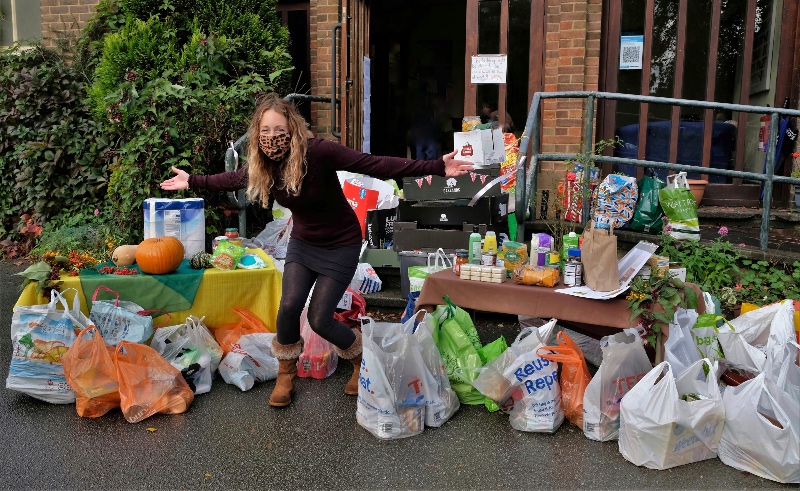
(595, 317)
(257, 290)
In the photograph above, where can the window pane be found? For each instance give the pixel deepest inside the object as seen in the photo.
(488, 44)
(519, 42)
(29, 21)
(6, 29)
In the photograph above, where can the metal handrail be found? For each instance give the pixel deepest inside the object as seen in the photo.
(527, 174)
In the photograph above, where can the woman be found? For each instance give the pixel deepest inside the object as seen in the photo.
(300, 172)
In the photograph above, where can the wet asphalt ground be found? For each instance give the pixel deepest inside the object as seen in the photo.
(230, 439)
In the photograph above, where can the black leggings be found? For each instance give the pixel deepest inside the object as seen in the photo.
(297, 282)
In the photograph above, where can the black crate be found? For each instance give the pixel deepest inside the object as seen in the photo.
(466, 186)
(453, 213)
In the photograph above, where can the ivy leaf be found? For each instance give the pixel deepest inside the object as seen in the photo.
(662, 317)
(652, 340)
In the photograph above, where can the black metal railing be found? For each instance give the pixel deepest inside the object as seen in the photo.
(527, 172)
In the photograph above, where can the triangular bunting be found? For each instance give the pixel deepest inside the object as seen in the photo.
(483, 178)
(419, 182)
(429, 179)
(472, 176)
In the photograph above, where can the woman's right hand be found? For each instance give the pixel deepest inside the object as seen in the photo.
(180, 181)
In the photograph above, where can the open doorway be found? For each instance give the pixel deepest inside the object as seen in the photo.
(417, 57)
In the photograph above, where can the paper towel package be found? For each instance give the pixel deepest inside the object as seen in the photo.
(183, 219)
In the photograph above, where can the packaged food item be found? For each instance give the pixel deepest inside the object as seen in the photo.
(573, 269)
(227, 255)
(515, 254)
(488, 258)
(536, 276)
(541, 245)
(462, 257)
(251, 261)
(469, 123)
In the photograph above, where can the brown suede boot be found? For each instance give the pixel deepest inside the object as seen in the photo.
(287, 356)
(353, 355)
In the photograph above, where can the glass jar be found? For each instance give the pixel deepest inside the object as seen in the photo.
(462, 257)
(232, 233)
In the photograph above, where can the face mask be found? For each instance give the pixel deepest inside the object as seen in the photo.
(274, 147)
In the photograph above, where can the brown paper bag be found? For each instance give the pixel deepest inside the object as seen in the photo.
(599, 258)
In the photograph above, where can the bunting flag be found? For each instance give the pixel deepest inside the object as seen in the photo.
(483, 178)
(429, 179)
(419, 182)
(472, 176)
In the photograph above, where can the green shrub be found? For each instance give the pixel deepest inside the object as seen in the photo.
(53, 154)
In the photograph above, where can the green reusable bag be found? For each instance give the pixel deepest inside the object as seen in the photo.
(493, 350)
(704, 333)
(648, 213)
(456, 342)
(680, 208)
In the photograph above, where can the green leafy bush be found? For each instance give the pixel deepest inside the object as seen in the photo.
(53, 153)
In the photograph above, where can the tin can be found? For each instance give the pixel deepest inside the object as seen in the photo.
(488, 258)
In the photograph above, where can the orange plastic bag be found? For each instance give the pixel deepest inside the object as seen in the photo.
(227, 335)
(574, 375)
(89, 368)
(148, 384)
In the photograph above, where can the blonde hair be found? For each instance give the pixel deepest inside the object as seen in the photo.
(261, 173)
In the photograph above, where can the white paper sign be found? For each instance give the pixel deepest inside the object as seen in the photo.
(630, 52)
(489, 69)
(469, 146)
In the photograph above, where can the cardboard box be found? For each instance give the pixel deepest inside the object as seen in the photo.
(437, 187)
(453, 213)
(407, 237)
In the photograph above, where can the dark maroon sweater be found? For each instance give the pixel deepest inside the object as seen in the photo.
(321, 215)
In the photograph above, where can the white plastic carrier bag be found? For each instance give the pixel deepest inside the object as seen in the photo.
(625, 362)
(680, 348)
(249, 361)
(762, 431)
(441, 402)
(391, 402)
(668, 420)
(191, 349)
(747, 339)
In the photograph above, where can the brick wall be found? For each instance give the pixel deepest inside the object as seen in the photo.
(572, 62)
(61, 17)
(324, 14)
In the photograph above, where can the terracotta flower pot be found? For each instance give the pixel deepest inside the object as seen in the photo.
(697, 187)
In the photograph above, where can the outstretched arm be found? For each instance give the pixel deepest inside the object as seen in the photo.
(343, 158)
(225, 181)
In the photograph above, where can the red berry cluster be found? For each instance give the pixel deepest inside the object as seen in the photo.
(120, 271)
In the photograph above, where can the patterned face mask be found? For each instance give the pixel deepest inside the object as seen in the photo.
(275, 146)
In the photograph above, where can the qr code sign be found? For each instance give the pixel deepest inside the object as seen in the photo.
(631, 54)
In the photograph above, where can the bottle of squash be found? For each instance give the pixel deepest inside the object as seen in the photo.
(490, 242)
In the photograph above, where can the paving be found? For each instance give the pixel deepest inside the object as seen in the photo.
(230, 439)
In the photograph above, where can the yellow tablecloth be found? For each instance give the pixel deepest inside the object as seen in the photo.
(257, 290)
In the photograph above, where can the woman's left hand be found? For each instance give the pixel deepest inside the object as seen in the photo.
(453, 167)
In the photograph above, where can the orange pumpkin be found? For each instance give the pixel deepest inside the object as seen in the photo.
(159, 255)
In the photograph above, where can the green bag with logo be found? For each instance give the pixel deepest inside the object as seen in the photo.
(648, 213)
(680, 207)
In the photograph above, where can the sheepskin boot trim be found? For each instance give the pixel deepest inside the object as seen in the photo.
(286, 351)
(353, 354)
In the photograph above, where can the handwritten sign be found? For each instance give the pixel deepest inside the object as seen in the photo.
(489, 69)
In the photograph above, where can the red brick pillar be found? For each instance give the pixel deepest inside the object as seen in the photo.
(324, 15)
(572, 61)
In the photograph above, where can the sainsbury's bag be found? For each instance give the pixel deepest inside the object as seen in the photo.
(148, 384)
(625, 362)
(40, 336)
(668, 420)
(391, 402)
(89, 368)
(318, 359)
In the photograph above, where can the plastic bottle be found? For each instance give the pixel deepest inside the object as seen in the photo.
(474, 246)
(490, 242)
(571, 241)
